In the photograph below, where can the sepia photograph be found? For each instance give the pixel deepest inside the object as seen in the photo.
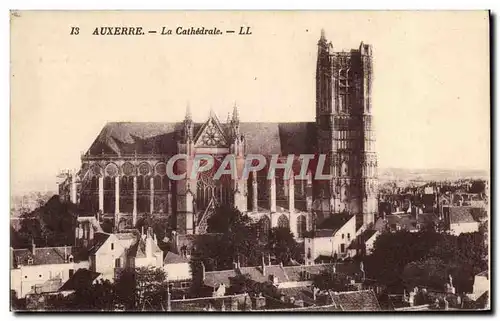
(250, 161)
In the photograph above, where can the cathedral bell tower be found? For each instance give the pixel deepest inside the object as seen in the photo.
(345, 135)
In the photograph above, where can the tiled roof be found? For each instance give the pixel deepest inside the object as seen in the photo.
(367, 234)
(318, 308)
(162, 138)
(82, 279)
(461, 214)
(215, 278)
(364, 300)
(213, 303)
(44, 255)
(99, 239)
(320, 233)
(138, 248)
(303, 293)
(484, 273)
(295, 273)
(48, 286)
(172, 258)
(336, 221)
(255, 273)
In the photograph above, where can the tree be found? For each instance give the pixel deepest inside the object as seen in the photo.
(393, 251)
(283, 245)
(328, 280)
(142, 288)
(430, 272)
(51, 224)
(98, 297)
(238, 239)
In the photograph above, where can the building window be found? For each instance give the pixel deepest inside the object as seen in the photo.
(301, 226)
(283, 222)
(343, 236)
(117, 263)
(71, 272)
(342, 248)
(349, 236)
(112, 246)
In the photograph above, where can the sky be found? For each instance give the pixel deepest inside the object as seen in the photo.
(430, 91)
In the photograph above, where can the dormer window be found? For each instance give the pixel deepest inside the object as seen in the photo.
(30, 261)
(70, 258)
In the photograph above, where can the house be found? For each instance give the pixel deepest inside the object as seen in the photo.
(364, 242)
(178, 270)
(414, 222)
(364, 300)
(238, 302)
(113, 252)
(481, 284)
(461, 219)
(34, 267)
(282, 277)
(333, 237)
(82, 279)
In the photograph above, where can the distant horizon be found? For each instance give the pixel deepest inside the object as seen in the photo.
(430, 109)
(21, 192)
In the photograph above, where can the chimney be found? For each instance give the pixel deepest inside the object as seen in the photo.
(263, 266)
(175, 241)
(169, 304)
(33, 246)
(149, 244)
(202, 271)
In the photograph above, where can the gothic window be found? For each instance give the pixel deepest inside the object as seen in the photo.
(126, 184)
(109, 183)
(283, 221)
(157, 182)
(344, 89)
(128, 169)
(212, 135)
(96, 170)
(161, 169)
(301, 226)
(94, 183)
(264, 227)
(144, 169)
(112, 170)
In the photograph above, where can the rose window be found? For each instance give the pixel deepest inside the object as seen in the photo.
(212, 137)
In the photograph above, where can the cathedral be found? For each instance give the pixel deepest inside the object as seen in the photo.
(123, 175)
